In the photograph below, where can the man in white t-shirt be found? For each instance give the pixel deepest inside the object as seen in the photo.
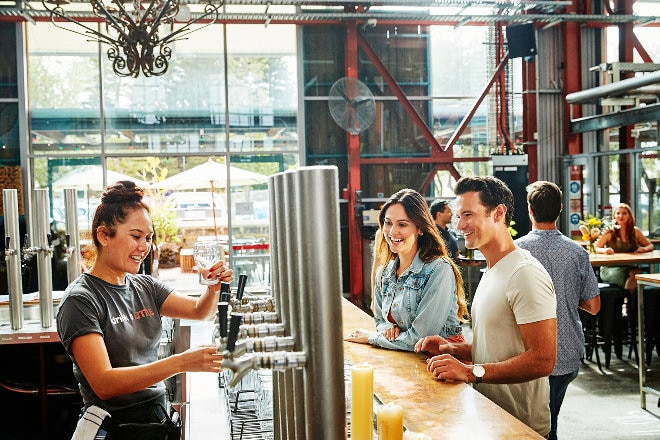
(514, 318)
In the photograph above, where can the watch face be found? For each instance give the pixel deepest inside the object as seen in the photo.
(478, 371)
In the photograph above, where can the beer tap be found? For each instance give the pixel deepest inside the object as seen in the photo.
(30, 251)
(68, 248)
(241, 365)
(242, 280)
(9, 251)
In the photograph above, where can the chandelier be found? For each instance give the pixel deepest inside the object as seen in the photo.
(138, 31)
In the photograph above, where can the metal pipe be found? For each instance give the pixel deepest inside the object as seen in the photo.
(317, 207)
(44, 254)
(296, 309)
(612, 89)
(73, 267)
(275, 188)
(13, 257)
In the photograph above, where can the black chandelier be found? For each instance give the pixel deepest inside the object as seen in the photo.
(137, 31)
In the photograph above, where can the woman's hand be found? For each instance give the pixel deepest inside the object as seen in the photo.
(605, 250)
(433, 345)
(361, 336)
(218, 270)
(644, 249)
(204, 359)
(392, 333)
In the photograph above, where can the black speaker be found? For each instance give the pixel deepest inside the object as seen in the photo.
(521, 41)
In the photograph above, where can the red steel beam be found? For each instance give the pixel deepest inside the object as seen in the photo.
(398, 92)
(466, 120)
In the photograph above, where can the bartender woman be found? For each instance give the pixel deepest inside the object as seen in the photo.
(109, 319)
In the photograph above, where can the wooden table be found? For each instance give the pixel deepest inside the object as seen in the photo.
(625, 258)
(442, 410)
(644, 280)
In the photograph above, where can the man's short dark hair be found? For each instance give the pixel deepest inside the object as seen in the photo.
(438, 206)
(544, 200)
(492, 192)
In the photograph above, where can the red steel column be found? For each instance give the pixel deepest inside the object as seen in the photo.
(353, 147)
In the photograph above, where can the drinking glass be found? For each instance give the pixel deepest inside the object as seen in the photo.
(206, 254)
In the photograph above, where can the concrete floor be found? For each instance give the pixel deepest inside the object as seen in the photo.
(598, 405)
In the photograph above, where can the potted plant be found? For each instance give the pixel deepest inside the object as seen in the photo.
(167, 239)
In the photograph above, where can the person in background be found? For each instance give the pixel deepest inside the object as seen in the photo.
(514, 322)
(623, 237)
(109, 319)
(575, 284)
(442, 214)
(418, 288)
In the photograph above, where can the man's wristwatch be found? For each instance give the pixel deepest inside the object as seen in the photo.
(478, 371)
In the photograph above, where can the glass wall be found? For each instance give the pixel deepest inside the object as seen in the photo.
(91, 128)
(9, 137)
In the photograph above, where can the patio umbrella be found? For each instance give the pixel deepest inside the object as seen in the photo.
(210, 174)
(91, 177)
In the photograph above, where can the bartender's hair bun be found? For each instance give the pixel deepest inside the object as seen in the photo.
(124, 191)
(117, 202)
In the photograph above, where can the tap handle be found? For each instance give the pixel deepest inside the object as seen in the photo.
(7, 243)
(49, 239)
(67, 237)
(234, 325)
(242, 280)
(225, 291)
(26, 240)
(223, 310)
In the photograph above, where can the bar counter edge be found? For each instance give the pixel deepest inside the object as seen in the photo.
(441, 410)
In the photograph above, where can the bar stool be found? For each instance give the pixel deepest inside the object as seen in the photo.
(591, 338)
(610, 319)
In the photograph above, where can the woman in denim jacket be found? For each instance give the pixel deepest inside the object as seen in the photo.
(419, 290)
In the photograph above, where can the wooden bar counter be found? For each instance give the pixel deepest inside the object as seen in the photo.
(441, 410)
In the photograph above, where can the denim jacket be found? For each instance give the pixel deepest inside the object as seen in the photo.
(422, 301)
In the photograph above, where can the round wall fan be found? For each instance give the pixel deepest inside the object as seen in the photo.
(352, 105)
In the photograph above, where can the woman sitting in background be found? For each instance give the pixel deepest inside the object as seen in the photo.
(624, 237)
(418, 289)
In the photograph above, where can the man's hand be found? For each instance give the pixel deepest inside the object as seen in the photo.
(447, 367)
(434, 345)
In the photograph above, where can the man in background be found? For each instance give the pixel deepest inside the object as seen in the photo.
(442, 214)
(575, 284)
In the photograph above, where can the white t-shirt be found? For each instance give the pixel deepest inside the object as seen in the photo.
(516, 290)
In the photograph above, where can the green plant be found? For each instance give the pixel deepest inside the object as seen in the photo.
(165, 226)
(512, 230)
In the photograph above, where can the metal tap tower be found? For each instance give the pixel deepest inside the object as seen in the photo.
(308, 379)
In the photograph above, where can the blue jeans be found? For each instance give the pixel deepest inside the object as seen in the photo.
(558, 386)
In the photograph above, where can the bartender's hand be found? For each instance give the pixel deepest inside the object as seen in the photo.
(434, 345)
(447, 367)
(361, 336)
(219, 270)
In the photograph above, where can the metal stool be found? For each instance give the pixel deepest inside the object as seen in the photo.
(610, 319)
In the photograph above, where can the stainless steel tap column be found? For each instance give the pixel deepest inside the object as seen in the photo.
(319, 257)
(13, 257)
(293, 297)
(276, 199)
(44, 254)
(73, 269)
